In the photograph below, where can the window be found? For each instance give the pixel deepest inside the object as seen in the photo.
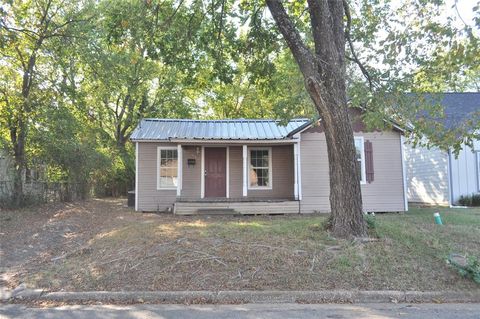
(167, 162)
(360, 157)
(260, 168)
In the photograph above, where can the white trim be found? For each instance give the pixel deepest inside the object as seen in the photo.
(202, 174)
(159, 148)
(245, 170)
(136, 176)
(363, 178)
(404, 175)
(299, 170)
(450, 178)
(295, 170)
(179, 169)
(270, 168)
(228, 173)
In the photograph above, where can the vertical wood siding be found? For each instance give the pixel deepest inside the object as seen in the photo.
(427, 175)
(383, 194)
(465, 174)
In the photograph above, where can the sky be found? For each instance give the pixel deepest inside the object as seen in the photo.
(465, 10)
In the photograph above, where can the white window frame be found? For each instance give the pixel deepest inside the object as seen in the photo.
(270, 168)
(363, 177)
(159, 150)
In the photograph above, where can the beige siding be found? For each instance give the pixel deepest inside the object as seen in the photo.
(282, 175)
(149, 198)
(191, 175)
(427, 175)
(236, 172)
(385, 193)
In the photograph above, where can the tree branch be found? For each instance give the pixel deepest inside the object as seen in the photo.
(28, 32)
(300, 51)
(354, 57)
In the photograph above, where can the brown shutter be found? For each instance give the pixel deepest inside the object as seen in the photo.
(368, 161)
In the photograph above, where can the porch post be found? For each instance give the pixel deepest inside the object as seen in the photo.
(299, 168)
(245, 170)
(295, 169)
(136, 176)
(202, 174)
(179, 169)
(228, 173)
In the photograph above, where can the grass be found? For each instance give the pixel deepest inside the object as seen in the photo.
(131, 251)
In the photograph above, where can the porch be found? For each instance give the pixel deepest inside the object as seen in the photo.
(236, 206)
(230, 173)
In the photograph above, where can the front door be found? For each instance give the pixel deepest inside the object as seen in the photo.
(215, 172)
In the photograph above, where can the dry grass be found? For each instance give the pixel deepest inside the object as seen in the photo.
(108, 247)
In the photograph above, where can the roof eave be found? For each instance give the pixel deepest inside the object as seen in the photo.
(218, 141)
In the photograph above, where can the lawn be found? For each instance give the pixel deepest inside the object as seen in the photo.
(101, 245)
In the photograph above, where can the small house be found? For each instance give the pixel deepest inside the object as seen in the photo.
(258, 166)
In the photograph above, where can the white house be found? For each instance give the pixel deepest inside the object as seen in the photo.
(439, 177)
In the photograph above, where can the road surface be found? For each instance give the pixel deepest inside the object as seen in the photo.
(248, 311)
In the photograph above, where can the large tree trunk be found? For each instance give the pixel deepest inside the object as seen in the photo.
(324, 73)
(18, 137)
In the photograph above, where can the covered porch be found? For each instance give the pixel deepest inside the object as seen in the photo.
(238, 178)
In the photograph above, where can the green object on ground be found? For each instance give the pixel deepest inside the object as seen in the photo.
(438, 219)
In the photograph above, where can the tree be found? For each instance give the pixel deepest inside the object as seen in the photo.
(323, 70)
(27, 29)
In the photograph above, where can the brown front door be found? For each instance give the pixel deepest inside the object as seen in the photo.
(215, 172)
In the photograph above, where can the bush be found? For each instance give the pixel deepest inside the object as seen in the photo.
(468, 269)
(470, 200)
(371, 225)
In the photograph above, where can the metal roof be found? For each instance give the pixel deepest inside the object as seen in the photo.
(235, 129)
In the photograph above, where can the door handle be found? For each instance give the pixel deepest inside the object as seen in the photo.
(205, 173)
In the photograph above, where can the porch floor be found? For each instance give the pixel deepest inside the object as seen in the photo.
(234, 206)
(232, 200)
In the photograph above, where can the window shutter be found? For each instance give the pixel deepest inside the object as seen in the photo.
(369, 161)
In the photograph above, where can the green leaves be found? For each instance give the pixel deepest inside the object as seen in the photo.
(103, 65)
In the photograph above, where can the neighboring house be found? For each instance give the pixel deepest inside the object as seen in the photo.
(257, 166)
(437, 177)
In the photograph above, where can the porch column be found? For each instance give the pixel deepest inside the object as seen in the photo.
(295, 170)
(136, 176)
(179, 169)
(299, 169)
(245, 169)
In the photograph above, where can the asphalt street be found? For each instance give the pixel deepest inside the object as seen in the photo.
(247, 311)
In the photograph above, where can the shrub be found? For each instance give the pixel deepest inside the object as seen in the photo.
(371, 224)
(468, 269)
(470, 200)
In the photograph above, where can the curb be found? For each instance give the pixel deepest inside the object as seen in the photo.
(239, 297)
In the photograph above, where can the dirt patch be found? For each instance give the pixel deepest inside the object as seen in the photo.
(32, 237)
(102, 245)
